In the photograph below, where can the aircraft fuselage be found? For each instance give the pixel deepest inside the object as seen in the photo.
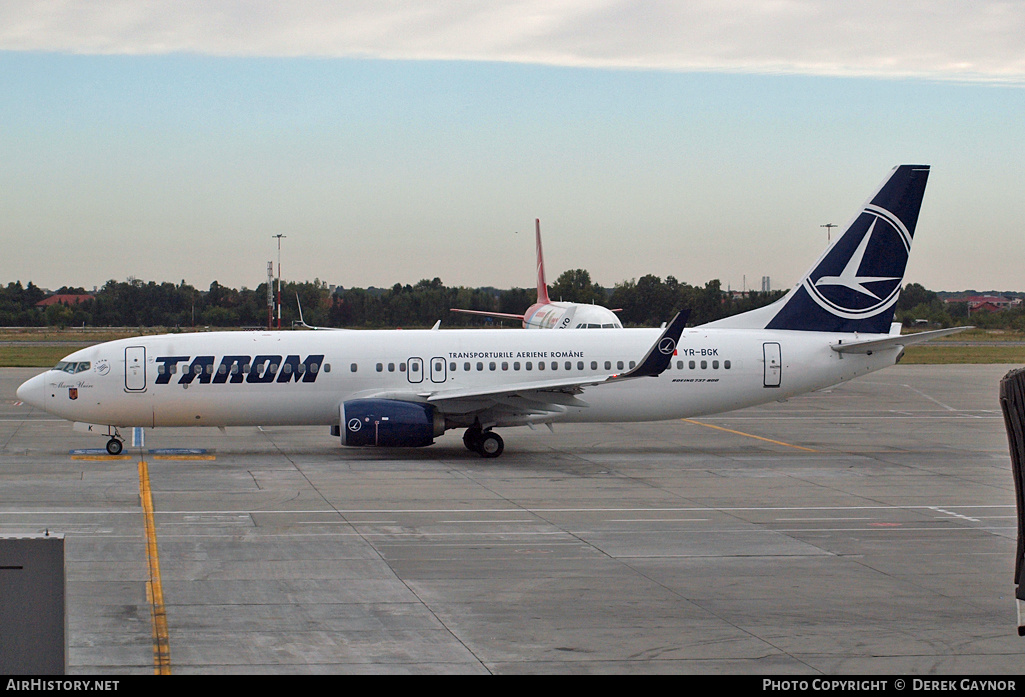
(301, 378)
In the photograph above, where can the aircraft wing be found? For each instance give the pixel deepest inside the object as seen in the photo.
(502, 315)
(890, 341)
(544, 396)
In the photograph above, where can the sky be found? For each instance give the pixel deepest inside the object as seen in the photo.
(392, 141)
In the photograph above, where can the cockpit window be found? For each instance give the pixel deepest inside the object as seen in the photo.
(73, 367)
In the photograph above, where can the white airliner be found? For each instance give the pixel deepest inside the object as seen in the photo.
(546, 314)
(406, 388)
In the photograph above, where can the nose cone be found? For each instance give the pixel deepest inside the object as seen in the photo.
(33, 391)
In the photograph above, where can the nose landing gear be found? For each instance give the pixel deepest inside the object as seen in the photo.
(116, 443)
(115, 446)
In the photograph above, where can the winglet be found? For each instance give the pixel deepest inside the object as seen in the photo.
(567, 318)
(661, 352)
(302, 322)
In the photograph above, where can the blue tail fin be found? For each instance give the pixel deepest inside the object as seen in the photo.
(854, 285)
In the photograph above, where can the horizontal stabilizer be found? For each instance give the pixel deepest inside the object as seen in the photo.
(891, 341)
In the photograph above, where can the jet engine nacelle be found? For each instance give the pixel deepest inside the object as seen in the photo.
(389, 423)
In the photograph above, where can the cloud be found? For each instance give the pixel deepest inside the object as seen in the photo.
(940, 39)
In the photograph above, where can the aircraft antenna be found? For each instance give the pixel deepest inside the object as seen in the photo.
(828, 227)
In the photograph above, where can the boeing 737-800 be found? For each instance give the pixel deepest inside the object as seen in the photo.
(405, 388)
(546, 314)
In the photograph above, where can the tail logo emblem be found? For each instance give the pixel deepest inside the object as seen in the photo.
(666, 346)
(865, 281)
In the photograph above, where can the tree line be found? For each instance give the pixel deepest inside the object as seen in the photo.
(647, 301)
(917, 305)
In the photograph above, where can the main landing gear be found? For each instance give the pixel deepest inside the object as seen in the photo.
(485, 443)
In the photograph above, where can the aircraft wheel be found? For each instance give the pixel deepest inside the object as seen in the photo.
(491, 444)
(114, 446)
(471, 439)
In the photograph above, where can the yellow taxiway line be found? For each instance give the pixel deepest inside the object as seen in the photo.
(750, 435)
(154, 589)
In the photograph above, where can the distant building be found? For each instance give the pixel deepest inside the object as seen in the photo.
(985, 303)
